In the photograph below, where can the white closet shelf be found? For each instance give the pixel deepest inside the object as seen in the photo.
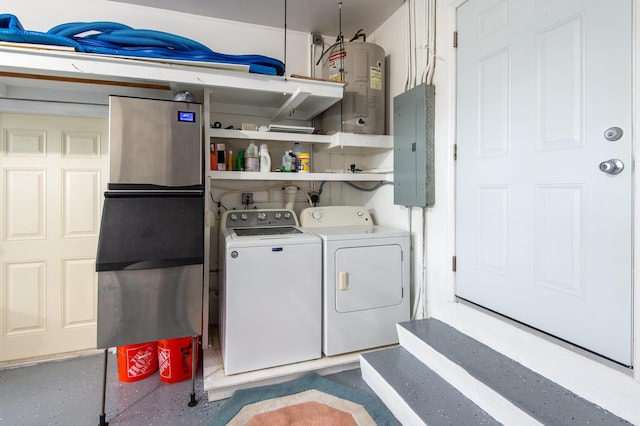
(335, 142)
(350, 141)
(268, 136)
(279, 176)
(231, 87)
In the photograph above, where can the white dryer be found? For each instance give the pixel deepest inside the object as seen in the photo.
(365, 278)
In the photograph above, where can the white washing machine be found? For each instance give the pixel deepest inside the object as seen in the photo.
(365, 278)
(270, 290)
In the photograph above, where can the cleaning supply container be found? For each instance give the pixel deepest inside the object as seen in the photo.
(136, 362)
(265, 158)
(175, 359)
(296, 151)
(240, 160)
(251, 158)
(304, 162)
(287, 162)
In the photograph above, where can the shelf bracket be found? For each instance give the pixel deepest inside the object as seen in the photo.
(289, 107)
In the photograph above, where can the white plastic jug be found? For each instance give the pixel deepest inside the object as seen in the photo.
(251, 160)
(265, 158)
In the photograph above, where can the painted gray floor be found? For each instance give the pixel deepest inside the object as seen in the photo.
(539, 397)
(432, 398)
(68, 392)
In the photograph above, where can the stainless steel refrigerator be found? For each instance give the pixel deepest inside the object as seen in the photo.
(151, 245)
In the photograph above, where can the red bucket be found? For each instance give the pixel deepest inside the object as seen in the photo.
(174, 357)
(136, 362)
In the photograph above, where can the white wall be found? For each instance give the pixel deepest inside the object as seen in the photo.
(433, 228)
(392, 35)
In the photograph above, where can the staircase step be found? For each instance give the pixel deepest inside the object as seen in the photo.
(484, 374)
(414, 393)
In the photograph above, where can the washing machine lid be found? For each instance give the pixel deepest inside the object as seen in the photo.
(276, 230)
(254, 237)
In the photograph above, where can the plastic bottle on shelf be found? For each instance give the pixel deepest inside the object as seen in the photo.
(213, 157)
(230, 160)
(251, 159)
(240, 160)
(265, 158)
(222, 156)
(304, 162)
(296, 151)
(287, 163)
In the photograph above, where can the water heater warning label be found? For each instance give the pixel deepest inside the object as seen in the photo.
(336, 65)
(375, 78)
(336, 56)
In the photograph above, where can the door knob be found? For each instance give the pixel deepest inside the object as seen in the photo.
(612, 167)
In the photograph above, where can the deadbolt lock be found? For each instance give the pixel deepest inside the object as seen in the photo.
(613, 134)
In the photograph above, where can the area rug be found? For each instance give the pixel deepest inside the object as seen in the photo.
(309, 400)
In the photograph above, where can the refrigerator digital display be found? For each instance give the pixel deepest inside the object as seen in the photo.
(188, 116)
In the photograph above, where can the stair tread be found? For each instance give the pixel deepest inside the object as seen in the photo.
(541, 398)
(433, 399)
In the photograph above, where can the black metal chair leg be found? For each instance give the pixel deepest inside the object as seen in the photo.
(103, 415)
(194, 356)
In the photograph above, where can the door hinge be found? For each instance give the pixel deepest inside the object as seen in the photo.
(454, 265)
(455, 152)
(455, 39)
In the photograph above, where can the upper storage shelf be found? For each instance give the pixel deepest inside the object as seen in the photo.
(274, 98)
(232, 88)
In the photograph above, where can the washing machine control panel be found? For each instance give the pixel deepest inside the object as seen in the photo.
(335, 216)
(258, 218)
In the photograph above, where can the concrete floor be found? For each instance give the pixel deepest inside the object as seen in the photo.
(69, 392)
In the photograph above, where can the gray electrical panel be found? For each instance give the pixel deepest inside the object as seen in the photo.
(413, 147)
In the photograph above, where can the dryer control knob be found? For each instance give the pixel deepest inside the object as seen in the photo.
(233, 216)
(244, 216)
(262, 216)
(287, 215)
(317, 215)
(360, 214)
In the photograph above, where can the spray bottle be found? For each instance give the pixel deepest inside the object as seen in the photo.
(287, 164)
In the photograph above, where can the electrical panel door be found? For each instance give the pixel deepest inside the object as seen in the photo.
(413, 121)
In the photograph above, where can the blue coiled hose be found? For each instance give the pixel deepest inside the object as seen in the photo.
(112, 38)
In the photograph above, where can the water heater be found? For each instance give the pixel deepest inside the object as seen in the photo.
(361, 66)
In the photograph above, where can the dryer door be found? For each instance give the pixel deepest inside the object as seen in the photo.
(368, 277)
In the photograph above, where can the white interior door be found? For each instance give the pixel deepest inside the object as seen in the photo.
(543, 234)
(53, 177)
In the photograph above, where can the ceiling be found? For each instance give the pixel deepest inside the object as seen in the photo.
(312, 16)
